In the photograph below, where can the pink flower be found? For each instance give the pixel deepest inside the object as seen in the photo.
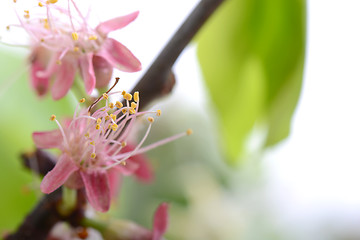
(93, 149)
(120, 229)
(63, 42)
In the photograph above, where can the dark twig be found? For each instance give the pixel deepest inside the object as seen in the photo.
(159, 79)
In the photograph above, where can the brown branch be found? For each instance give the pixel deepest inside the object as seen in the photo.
(159, 79)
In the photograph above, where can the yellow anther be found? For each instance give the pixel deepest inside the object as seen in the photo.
(132, 111)
(14, 1)
(136, 96)
(92, 143)
(51, 1)
(58, 62)
(97, 127)
(113, 117)
(133, 105)
(123, 144)
(46, 24)
(124, 110)
(158, 112)
(8, 27)
(189, 131)
(93, 37)
(151, 119)
(76, 49)
(93, 155)
(26, 11)
(53, 117)
(82, 100)
(107, 117)
(111, 105)
(42, 40)
(40, 4)
(123, 163)
(105, 96)
(118, 104)
(98, 120)
(27, 14)
(75, 36)
(128, 96)
(86, 134)
(123, 92)
(114, 127)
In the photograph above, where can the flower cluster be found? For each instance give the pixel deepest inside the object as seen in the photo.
(94, 148)
(62, 46)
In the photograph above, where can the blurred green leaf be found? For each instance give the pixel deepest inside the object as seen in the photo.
(21, 113)
(252, 56)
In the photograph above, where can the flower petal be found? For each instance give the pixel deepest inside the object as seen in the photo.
(87, 72)
(103, 71)
(116, 23)
(40, 84)
(143, 172)
(97, 189)
(115, 180)
(48, 139)
(119, 56)
(160, 221)
(59, 174)
(64, 79)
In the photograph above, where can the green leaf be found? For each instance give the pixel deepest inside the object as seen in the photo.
(252, 55)
(22, 113)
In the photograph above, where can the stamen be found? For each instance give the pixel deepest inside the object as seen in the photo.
(105, 96)
(53, 117)
(119, 104)
(111, 105)
(132, 111)
(97, 127)
(93, 155)
(158, 112)
(151, 119)
(75, 36)
(98, 121)
(128, 96)
(136, 96)
(40, 4)
(93, 37)
(133, 105)
(82, 100)
(189, 132)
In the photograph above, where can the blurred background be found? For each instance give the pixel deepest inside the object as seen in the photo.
(270, 89)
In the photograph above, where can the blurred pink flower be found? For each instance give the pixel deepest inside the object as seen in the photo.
(94, 149)
(63, 42)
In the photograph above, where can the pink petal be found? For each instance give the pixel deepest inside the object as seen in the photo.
(160, 221)
(64, 78)
(97, 189)
(103, 71)
(115, 180)
(40, 84)
(119, 56)
(116, 23)
(59, 174)
(48, 139)
(87, 72)
(143, 171)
